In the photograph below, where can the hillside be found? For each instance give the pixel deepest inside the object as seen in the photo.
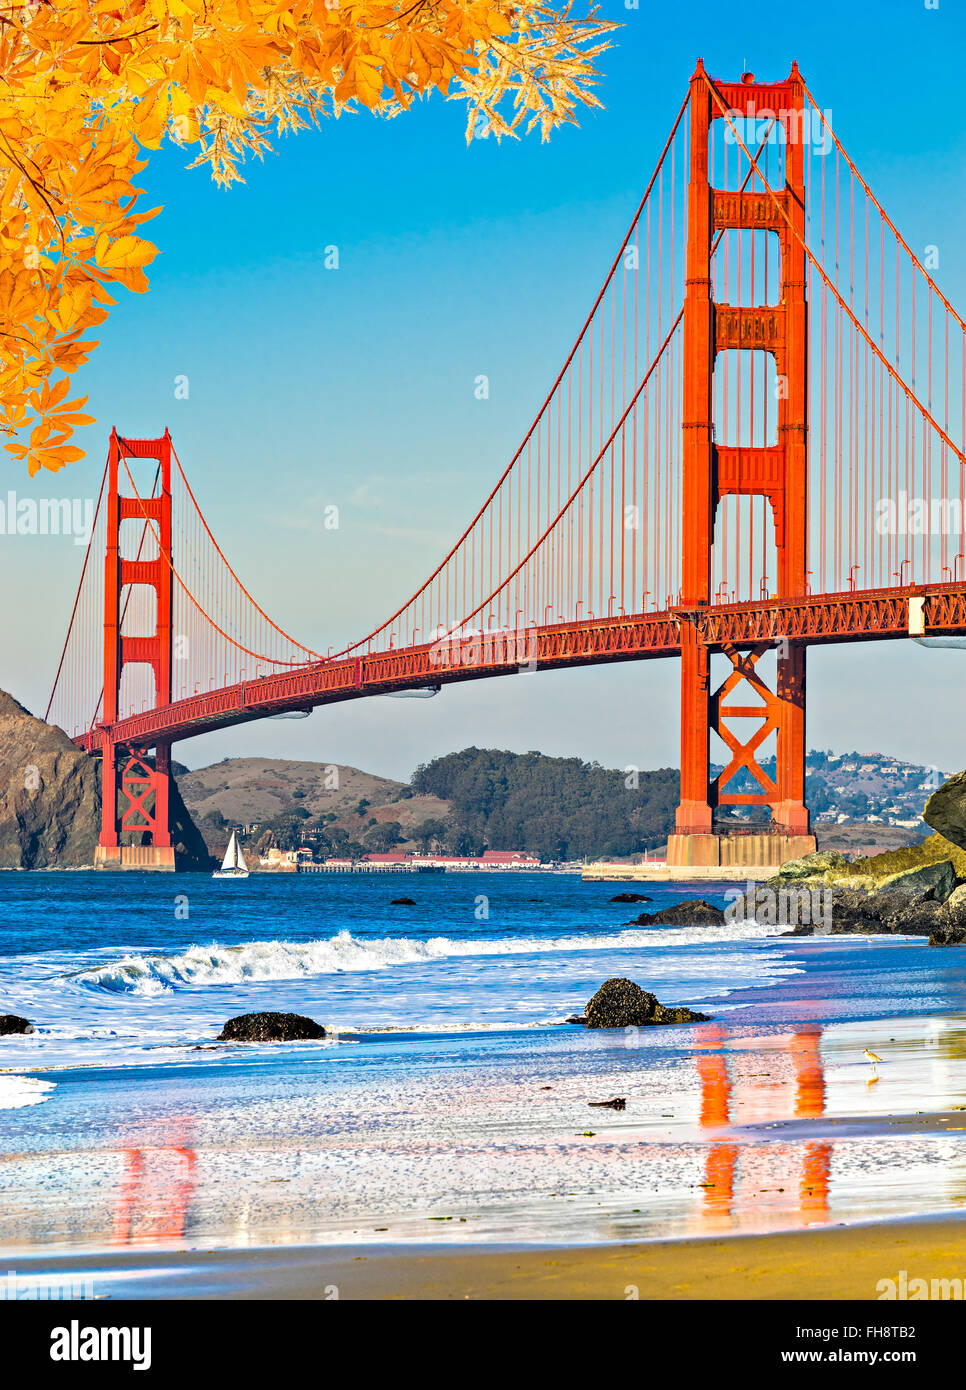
(559, 808)
(294, 802)
(50, 799)
(872, 788)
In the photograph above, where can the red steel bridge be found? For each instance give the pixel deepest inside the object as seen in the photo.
(755, 444)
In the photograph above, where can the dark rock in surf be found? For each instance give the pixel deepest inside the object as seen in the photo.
(270, 1027)
(620, 1003)
(617, 1103)
(13, 1023)
(576, 1018)
(631, 898)
(948, 936)
(693, 913)
(402, 902)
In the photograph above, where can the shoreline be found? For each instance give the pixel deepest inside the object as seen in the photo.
(864, 1261)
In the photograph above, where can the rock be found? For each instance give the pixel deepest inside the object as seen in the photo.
(882, 866)
(631, 898)
(915, 919)
(693, 913)
(50, 800)
(620, 1003)
(934, 881)
(859, 882)
(13, 1023)
(270, 1027)
(881, 913)
(576, 1018)
(953, 912)
(948, 936)
(402, 902)
(946, 810)
(813, 865)
(618, 1103)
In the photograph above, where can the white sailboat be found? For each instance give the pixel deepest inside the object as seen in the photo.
(233, 865)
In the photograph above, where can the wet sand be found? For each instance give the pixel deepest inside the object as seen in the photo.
(844, 1262)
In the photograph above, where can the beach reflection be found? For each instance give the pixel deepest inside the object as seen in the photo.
(155, 1191)
(731, 1093)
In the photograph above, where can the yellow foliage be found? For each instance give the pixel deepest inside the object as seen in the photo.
(86, 85)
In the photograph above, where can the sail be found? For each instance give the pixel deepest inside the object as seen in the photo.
(230, 860)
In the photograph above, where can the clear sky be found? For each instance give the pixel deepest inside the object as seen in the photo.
(355, 386)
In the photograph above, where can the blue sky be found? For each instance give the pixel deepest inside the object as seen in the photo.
(355, 386)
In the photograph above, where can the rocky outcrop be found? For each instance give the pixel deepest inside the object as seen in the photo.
(946, 810)
(13, 1023)
(948, 936)
(50, 794)
(631, 898)
(620, 1003)
(811, 866)
(935, 881)
(949, 928)
(402, 902)
(270, 1027)
(50, 800)
(829, 869)
(693, 913)
(909, 903)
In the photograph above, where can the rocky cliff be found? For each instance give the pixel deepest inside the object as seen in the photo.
(50, 799)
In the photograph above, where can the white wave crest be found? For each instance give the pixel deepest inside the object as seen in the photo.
(291, 960)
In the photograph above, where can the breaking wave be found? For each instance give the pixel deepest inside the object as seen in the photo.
(292, 960)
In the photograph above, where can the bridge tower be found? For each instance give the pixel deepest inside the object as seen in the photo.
(713, 471)
(135, 785)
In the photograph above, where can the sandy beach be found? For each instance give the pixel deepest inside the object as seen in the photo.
(846, 1262)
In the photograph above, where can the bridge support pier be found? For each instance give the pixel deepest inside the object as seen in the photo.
(705, 711)
(135, 791)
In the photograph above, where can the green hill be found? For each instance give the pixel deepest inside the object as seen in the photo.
(559, 808)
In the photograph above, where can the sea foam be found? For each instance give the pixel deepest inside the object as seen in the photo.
(290, 960)
(16, 1091)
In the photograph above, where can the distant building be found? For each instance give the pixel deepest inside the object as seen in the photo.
(285, 860)
(489, 859)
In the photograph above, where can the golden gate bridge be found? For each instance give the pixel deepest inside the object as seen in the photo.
(754, 444)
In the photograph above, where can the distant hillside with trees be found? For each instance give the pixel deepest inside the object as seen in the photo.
(559, 808)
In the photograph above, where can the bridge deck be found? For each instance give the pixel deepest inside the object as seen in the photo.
(853, 616)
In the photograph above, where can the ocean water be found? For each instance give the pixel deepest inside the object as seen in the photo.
(450, 1100)
(114, 968)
